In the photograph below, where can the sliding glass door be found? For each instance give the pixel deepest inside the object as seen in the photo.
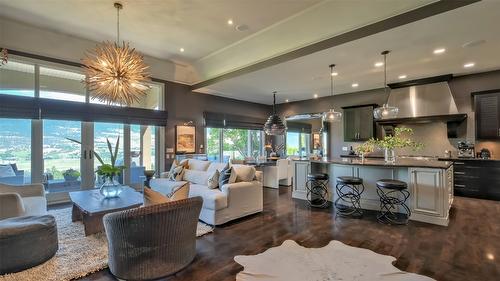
(15, 151)
(61, 155)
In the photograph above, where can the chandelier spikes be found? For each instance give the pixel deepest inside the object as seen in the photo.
(4, 56)
(116, 73)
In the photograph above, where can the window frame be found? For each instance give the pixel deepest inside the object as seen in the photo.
(249, 141)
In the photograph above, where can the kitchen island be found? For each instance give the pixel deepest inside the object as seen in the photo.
(430, 182)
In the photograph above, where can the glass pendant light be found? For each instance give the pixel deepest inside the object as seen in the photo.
(386, 111)
(274, 126)
(332, 115)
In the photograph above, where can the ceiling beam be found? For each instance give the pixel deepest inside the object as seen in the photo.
(384, 25)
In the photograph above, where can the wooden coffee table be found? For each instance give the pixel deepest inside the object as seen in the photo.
(90, 206)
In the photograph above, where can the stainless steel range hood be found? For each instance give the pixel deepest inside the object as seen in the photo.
(423, 101)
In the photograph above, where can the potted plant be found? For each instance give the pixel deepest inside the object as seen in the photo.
(109, 172)
(71, 175)
(366, 147)
(397, 140)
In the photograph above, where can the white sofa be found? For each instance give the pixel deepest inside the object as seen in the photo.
(22, 200)
(228, 202)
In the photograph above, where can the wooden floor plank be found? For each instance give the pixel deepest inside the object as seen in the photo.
(458, 252)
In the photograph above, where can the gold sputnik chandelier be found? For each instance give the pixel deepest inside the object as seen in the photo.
(4, 56)
(116, 73)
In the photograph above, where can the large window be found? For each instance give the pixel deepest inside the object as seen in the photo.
(143, 146)
(15, 151)
(57, 152)
(213, 149)
(62, 84)
(17, 78)
(238, 144)
(298, 144)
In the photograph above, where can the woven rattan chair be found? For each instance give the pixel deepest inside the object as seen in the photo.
(154, 241)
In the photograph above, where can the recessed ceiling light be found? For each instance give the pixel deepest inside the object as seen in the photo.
(490, 256)
(469, 64)
(286, 100)
(439, 51)
(315, 96)
(355, 85)
(182, 50)
(335, 73)
(402, 76)
(379, 64)
(230, 22)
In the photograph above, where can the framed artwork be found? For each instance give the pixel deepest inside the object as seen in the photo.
(316, 141)
(185, 139)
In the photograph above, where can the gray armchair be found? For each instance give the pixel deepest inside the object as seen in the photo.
(22, 200)
(153, 241)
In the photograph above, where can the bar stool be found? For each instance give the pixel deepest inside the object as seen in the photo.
(393, 195)
(317, 190)
(349, 190)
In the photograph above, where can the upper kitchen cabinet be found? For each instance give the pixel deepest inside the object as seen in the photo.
(358, 122)
(487, 108)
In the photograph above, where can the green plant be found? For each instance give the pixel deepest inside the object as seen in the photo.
(107, 170)
(365, 148)
(71, 173)
(398, 140)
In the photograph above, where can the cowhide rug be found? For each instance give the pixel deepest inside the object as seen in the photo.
(336, 261)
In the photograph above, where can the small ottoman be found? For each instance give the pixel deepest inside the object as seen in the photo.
(26, 242)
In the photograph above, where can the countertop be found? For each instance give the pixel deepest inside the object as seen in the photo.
(402, 162)
(468, 159)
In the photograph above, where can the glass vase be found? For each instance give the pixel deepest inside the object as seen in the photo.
(389, 155)
(110, 188)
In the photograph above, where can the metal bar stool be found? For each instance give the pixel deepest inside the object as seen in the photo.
(349, 190)
(393, 194)
(317, 190)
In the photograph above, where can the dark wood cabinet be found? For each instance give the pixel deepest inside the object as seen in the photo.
(477, 178)
(358, 122)
(487, 109)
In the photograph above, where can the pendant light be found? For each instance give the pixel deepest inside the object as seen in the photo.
(274, 126)
(116, 73)
(332, 115)
(386, 111)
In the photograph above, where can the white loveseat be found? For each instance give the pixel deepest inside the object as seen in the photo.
(226, 203)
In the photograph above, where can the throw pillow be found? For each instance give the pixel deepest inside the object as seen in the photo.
(6, 171)
(152, 197)
(198, 165)
(244, 172)
(227, 175)
(196, 177)
(213, 180)
(176, 174)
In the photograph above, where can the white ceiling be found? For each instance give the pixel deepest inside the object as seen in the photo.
(157, 28)
(412, 48)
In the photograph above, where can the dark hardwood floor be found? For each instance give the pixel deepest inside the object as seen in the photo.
(468, 249)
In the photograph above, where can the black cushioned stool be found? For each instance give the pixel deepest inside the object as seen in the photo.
(317, 190)
(393, 195)
(349, 190)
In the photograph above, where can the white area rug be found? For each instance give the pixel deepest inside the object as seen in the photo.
(336, 261)
(78, 255)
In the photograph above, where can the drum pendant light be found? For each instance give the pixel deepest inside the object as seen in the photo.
(274, 126)
(332, 115)
(386, 111)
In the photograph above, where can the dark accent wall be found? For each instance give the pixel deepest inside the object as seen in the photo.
(183, 105)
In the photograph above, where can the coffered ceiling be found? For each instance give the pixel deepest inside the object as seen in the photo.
(157, 28)
(467, 34)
